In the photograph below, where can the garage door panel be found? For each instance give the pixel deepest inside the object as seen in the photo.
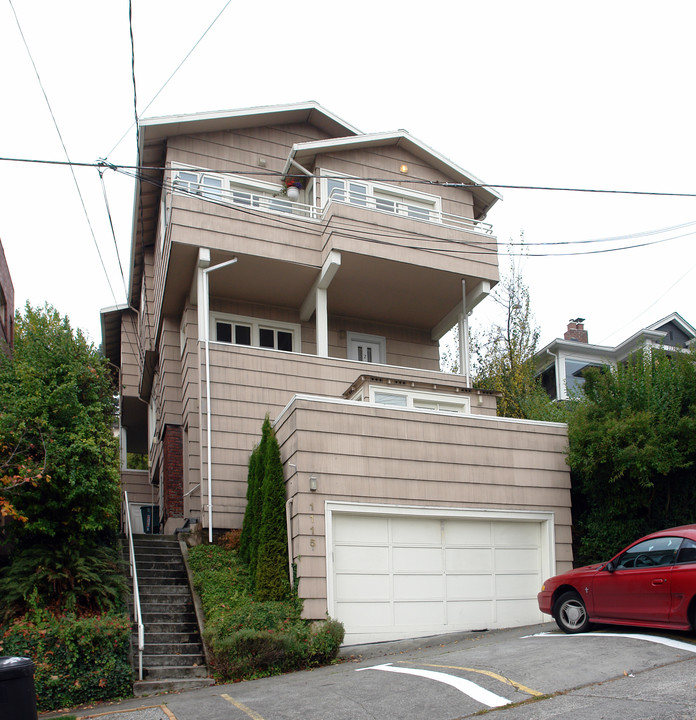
(417, 559)
(417, 587)
(374, 615)
(364, 529)
(512, 613)
(416, 531)
(473, 560)
(468, 532)
(470, 614)
(516, 586)
(511, 560)
(469, 587)
(421, 614)
(361, 559)
(515, 533)
(351, 586)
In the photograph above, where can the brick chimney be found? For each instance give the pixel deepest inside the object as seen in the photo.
(576, 331)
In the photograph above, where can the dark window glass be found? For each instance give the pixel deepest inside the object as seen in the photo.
(687, 552)
(266, 338)
(650, 553)
(548, 381)
(284, 341)
(242, 334)
(224, 332)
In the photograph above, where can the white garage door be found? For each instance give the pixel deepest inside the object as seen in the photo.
(397, 577)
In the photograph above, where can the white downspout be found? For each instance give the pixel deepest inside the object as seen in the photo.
(206, 329)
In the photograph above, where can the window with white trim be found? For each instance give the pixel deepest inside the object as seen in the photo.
(418, 399)
(366, 348)
(388, 198)
(231, 189)
(254, 332)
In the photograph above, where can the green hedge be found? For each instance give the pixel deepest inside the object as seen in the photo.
(77, 660)
(248, 638)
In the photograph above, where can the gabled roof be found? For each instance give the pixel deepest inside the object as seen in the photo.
(311, 112)
(677, 320)
(484, 198)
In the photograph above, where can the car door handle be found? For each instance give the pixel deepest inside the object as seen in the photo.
(659, 581)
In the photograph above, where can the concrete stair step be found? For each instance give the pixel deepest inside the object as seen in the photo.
(175, 638)
(172, 672)
(164, 628)
(172, 648)
(174, 660)
(152, 687)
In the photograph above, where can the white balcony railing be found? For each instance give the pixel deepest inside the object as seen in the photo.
(280, 204)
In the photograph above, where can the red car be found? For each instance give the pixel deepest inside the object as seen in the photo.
(652, 583)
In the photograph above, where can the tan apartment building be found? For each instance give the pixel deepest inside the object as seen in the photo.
(284, 263)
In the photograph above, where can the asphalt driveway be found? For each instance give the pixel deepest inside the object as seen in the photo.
(533, 672)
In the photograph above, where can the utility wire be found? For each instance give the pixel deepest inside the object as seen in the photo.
(436, 183)
(65, 150)
(176, 70)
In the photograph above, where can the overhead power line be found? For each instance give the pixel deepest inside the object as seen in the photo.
(437, 183)
(65, 150)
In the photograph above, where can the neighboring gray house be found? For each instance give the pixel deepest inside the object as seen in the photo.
(284, 263)
(561, 363)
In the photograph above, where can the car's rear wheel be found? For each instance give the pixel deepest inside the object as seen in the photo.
(570, 613)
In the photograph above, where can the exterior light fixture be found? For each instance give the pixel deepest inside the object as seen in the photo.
(293, 193)
(403, 168)
(313, 483)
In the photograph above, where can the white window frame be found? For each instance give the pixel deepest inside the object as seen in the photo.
(261, 194)
(353, 339)
(256, 325)
(401, 197)
(414, 396)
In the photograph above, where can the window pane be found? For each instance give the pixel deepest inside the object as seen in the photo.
(336, 189)
(418, 212)
(650, 553)
(241, 198)
(389, 399)
(266, 338)
(284, 340)
(186, 181)
(242, 334)
(387, 205)
(223, 332)
(358, 194)
(687, 552)
(574, 371)
(212, 187)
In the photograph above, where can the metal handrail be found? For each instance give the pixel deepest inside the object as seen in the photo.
(136, 591)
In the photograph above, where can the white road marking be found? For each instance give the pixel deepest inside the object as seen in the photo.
(474, 691)
(678, 644)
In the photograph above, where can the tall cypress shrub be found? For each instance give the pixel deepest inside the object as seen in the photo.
(272, 582)
(245, 541)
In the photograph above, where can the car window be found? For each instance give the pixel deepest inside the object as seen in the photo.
(687, 552)
(656, 552)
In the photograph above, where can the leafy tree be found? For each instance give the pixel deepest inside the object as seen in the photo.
(632, 438)
(272, 581)
(58, 449)
(503, 354)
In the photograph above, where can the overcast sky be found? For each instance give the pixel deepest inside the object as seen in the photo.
(595, 95)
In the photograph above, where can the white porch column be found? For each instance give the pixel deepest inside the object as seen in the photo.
(464, 368)
(322, 322)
